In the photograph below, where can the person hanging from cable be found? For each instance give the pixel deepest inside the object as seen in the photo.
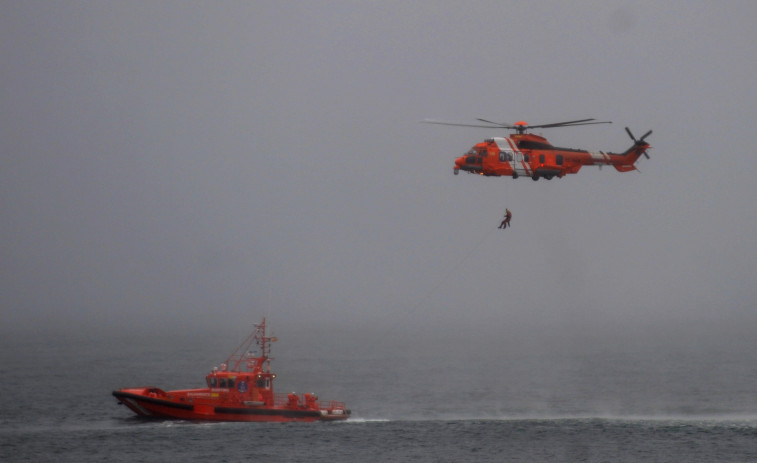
(506, 221)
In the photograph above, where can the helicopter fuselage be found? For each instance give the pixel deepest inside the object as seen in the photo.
(530, 155)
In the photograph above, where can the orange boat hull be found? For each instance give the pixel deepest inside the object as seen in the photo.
(156, 403)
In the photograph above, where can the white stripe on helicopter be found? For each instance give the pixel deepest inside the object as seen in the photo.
(599, 157)
(508, 146)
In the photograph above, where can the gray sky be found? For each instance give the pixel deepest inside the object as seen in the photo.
(184, 164)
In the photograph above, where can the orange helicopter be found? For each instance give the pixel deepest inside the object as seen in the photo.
(531, 155)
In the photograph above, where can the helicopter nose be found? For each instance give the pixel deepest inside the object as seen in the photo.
(458, 164)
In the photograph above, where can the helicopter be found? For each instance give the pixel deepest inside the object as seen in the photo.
(530, 155)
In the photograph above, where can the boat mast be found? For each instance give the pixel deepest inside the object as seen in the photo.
(265, 345)
(244, 354)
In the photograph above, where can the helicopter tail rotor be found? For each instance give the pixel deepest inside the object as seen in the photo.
(640, 141)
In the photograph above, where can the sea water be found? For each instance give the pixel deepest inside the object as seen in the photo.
(685, 394)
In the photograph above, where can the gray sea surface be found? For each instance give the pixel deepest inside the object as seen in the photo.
(459, 393)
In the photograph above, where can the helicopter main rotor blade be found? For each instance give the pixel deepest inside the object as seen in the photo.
(498, 124)
(570, 124)
(583, 123)
(520, 127)
(557, 124)
(455, 124)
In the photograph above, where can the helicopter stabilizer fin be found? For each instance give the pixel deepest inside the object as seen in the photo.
(625, 168)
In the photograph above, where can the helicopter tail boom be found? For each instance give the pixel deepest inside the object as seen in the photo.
(633, 153)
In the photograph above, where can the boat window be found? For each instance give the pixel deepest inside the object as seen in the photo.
(231, 383)
(223, 382)
(213, 382)
(260, 382)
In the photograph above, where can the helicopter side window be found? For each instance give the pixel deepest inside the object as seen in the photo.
(541, 158)
(505, 156)
(559, 159)
(525, 157)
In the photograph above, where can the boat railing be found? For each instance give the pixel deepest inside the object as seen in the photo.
(332, 405)
(282, 399)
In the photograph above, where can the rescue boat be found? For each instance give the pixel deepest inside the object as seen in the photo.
(240, 390)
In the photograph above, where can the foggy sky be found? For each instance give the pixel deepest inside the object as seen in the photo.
(187, 164)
